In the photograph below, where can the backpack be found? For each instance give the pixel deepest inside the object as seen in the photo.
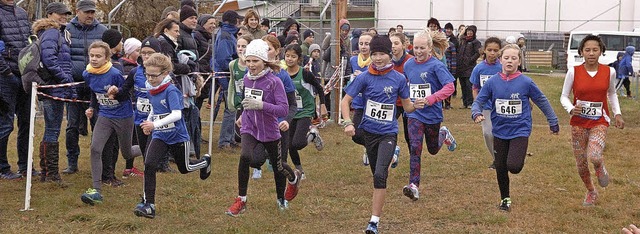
(30, 64)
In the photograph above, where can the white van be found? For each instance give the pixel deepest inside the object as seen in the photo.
(614, 42)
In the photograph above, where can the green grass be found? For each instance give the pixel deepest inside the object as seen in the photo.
(458, 193)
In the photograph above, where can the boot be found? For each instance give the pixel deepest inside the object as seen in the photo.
(43, 162)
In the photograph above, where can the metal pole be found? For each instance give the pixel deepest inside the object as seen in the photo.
(559, 12)
(619, 12)
(324, 11)
(219, 7)
(27, 193)
(334, 53)
(113, 11)
(19, 2)
(486, 23)
(375, 13)
(545, 16)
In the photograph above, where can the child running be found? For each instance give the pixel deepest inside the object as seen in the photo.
(510, 92)
(380, 87)
(429, 79)
(235, 94)
(592, 85)
(399, 58)
(169, 131)
(265, 101)
(480, 74)
(306, 87)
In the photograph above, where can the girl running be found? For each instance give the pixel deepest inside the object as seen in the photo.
(380, 87)
(592, 85)
(510, 92)
(169, 131)
(359, 64)
(399, 58)
(265, 101)
(429, 79)
(114, 115)
(306, 87)
(480, 74)
(238, 68)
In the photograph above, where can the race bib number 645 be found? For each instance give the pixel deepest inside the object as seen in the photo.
(380, 111)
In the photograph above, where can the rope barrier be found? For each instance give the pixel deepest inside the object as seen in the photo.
(59, 85)
(62, 99)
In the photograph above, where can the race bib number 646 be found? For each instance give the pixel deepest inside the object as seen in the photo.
(508, 107)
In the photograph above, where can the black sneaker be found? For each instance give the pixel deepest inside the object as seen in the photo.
(205, 172)
(9, 175)
(505, 204)
(70, 170)
(34, 173)
(147, 210)
(492, 166)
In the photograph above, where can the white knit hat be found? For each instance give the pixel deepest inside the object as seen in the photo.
(258, 48)
(131, 45)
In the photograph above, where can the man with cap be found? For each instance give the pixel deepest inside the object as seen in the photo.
(84, 30)
(307, 39)
(56, 57)
(14, 30)
(225, 51)
(204, 38)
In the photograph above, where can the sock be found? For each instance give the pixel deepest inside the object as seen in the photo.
(375, 219)
(294, 180)
(243, 198)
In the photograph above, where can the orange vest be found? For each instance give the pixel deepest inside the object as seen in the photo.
(592, 89)
(401, 70)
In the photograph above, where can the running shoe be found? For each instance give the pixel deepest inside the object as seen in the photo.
(113, 182)
(493, 165)
(447, 138)
(603, 177)
(317, 140)
(372, 228)
(292, 188)
(9, 175)
(91, 197)
(133, 172)
(257, 173)
(590, 198)
(282, 204)
(205, 172)
(411, 191)
(396, 154)
(365, 158)
(237, 208)
(147, 210)
(505, 204)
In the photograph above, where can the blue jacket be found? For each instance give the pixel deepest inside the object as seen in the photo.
(81, 37)
(625, 64)
(55, 55)
(15, 28)
(225, 51)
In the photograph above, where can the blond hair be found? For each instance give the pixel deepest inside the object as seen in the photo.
(159, 60)
(510, 46)
(436, 40)
(103, 45)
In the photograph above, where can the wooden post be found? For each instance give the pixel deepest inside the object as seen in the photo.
(340, 13)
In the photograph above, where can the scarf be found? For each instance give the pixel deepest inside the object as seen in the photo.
(468, 38)
(379, 71)
(100, 70)
(158, 89)
(174, 40)
(362, 62)
(506, 77)
(400, 60)
(261, 74)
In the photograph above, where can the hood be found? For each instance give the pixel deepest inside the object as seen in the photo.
(473, 29)
(44, 24)
(630, 50)
(356, 33)
(343, 22)
(288, 23)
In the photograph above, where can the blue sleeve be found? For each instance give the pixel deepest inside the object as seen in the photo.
(475, 75)
(286, 81)
(626, 62)
(49, 50)
(443, 74)
(483, 97)
(356, 86)
(541, 101)
(403, 89)
(224, 54)
(174, 99)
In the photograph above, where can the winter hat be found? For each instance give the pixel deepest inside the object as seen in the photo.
(313, 47)
(231, 17)
(112, 37)
(131, 45)
(448, 26)
(186, 12)
(188, 3)
(258, 48)
(511, 40)
(152, 43)
(290, 39)
(380, 44)
(86, 5)
(203, 19)
(266, 22)
(307, 33)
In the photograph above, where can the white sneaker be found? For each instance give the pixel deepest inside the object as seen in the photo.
(396, 154)
(257, 173)
(365, 158)
(411, 191)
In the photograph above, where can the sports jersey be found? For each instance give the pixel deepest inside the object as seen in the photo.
(481, 73)
(426, 78)
(163, 103)
(143, 106)
(99, 84)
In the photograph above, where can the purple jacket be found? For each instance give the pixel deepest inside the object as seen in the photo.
(263, 124)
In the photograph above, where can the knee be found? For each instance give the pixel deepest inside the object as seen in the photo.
(299, 144)
(514, 168)
(379, 181)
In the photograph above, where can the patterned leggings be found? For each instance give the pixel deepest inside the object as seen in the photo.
(417, 132)
(588, 143)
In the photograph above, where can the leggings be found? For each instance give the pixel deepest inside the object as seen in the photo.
(298, 137)
(405, 125)
(123, 128)
(142, 143)
(588, 143)
(487, 133)
(418, 130)
(380, 153)
(358, 138)
(626, 83)
(282, 171)
(510, 155)
(156, 151)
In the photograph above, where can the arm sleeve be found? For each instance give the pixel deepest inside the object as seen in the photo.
(612, 95)
(224, 54)
(566, 102)
(481, 99)
(442, 94)
(476, 51)
(279, 108)
(541, 101)
(94, 102)
(293, 108)
(173, 117)
(124, 92)
(309, 78)
(231, 89)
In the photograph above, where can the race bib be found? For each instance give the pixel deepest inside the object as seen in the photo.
(163, 127)
(105, 101)
(483, 79)
(508, 107)
(419, 90)
(253, 93)
(239, 86)
(380, 111)
(591, 110)
(298, 101)
(143, 105)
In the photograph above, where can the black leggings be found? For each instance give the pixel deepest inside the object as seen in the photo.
(380, 152)
(282, 170)
(626, 83)
(155, 152)
(405, 125)
(142, 143)
(358, 138)
(510, 155)
(298, 137)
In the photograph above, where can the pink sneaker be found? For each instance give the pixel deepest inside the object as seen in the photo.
(590, 198)
(132, 172)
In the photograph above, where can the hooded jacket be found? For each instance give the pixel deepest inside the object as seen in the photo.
(14, 31)
(355, 36)
(203, 41)
(625, 67)
(55, 55)
(81, 37)
(468, 53)
(225, 50)
(285, 31)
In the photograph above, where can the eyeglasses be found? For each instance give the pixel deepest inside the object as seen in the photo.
(153, 76)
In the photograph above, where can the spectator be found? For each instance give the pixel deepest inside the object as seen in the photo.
(373, 31)
(84, 30)
(434, 24)
(252, 21)
(307, 39)
(400, 28)
(290, 25)
(468, 54)
(391, 31)
(265, 24)
(131, 54)
(203, 35)
(355, 36)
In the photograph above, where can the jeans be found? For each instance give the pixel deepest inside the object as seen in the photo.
(53, 111)
(227, 127)
(75, 111)
(18, 105)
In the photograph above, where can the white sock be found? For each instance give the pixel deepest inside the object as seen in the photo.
(243, 198)
(374, 219)
(294, 180)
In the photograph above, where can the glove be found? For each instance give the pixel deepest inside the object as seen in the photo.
(183, 59)
(252, 104)
(555, 128)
